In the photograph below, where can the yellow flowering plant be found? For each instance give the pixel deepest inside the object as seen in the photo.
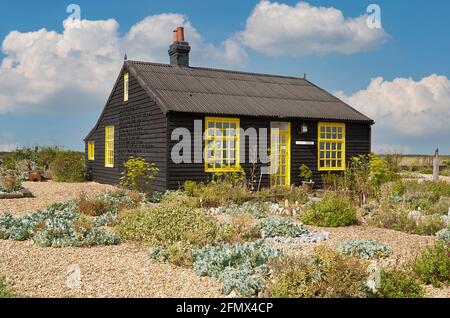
(138, 174)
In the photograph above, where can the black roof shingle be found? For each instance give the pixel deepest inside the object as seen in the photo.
(222, 92)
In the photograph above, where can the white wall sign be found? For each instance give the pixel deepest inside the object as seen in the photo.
(305, 143)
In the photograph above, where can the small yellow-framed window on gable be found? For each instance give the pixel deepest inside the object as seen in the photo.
(109, 147)
(126, 85)
(331, 146)
(91, 150)
(221, 144)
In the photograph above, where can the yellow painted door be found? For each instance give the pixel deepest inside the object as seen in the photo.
(280, 149)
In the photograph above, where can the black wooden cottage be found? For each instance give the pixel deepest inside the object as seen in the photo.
(149, 101)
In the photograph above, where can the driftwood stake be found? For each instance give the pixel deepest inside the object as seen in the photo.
(436, 166)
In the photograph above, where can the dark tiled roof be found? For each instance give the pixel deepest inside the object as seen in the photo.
(221, 92)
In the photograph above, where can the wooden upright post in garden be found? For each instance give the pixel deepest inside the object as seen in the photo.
(436, 166)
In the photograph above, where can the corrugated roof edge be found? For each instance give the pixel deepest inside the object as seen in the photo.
(220, 70)
(370, 120)
(166, 109)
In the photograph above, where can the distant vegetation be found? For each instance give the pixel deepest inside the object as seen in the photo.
(417, 163)
(53, 162)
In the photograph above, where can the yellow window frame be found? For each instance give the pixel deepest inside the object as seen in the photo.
(333, 139)
(109, 147)
(274, 178)
(226, 165)
(126, 86)
(91, 150)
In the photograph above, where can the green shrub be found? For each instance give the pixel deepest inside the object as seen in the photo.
(68, 166)
(138, 174)
(5, 291)
(220, 192)
(332, 181)
(444, 235)
(432, 265)
(19, 154)
(180, 198)
(236, 177)
(10, 181)
(190, 188)
(258, 209)
(46, 155)
(240, 267)
(366, 249)
(245, 281)
(60, 225)
(440, 207)
(280, 226)
(168, 223)
(297, 194)
(396, 217)
(178, 254)
(305, 173)
(324, 274)
(437, 189)
(332, 211)
(381, 171)
(398, 284)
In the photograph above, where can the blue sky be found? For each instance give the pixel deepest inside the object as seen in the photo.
(410, 59)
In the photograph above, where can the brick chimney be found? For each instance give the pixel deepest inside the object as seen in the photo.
(179, 49)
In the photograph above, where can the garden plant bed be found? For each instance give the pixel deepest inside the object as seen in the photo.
(125, 270)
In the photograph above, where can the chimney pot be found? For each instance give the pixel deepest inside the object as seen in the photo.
(179, 50)
(180, 34)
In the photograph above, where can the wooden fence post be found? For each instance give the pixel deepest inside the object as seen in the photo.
(436, 166)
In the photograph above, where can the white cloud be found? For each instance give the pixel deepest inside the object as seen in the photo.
(279, 29)
(405, 109)
(405, 106)
(49, 71)
(149, 39)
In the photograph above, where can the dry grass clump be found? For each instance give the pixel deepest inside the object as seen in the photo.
(324, 274)
(240, 228)
(92, 206)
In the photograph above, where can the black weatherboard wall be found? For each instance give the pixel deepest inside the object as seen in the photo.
(357, 142)
(140, 131)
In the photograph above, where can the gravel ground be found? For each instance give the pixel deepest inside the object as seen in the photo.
(46, 193)
(404, 246)
(113, 271)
